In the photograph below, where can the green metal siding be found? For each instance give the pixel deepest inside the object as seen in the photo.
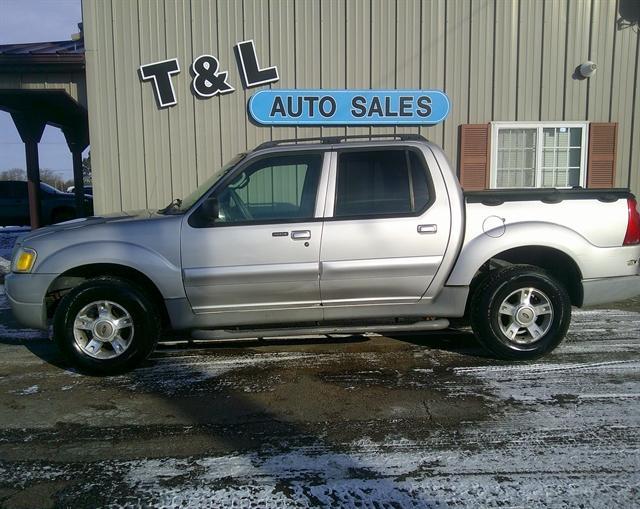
(496, 59)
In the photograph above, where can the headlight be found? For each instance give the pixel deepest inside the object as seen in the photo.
(24, 260)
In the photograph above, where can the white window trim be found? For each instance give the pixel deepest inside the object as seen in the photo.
(495, 126)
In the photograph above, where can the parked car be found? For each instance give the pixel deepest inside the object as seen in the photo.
(88, 190)
(339, 236)
(56, 205)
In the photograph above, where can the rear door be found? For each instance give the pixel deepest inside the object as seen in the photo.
(386, 228)
(262, 253)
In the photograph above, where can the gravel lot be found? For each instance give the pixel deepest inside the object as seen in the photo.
(413, 421)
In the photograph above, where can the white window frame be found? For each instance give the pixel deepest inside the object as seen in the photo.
(539, 126)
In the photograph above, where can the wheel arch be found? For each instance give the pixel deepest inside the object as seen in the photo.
(560, 265)
(554, 261)
(71, 278)
(550, 246)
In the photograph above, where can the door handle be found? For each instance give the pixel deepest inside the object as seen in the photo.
(427, 228)
(301, 234)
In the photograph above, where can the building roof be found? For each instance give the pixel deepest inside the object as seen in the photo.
(42, 56)
(43, 48)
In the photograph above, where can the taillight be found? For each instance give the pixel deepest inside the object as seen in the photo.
(633, 224)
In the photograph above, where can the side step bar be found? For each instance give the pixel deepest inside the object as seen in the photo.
(425, 325)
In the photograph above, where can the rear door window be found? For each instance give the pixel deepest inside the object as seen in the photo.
(381, 183)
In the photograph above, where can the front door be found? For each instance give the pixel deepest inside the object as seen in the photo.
(387, 232)
(262, 253)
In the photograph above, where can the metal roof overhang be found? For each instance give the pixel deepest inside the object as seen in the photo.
(54, 107)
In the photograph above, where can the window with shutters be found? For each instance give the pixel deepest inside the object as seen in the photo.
(543, 154)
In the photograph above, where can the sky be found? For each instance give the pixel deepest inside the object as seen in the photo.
(36, 21)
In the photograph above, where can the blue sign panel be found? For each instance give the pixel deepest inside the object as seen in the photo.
(348, 107)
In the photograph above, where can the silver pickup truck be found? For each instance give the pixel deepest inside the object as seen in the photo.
(333, 235)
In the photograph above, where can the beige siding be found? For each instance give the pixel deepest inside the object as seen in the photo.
(634, 165)
(282, 53)
(155, 127)
(256, 27)
(73, 83)
(204, 36)
(103, 116)
(496, 59)
(624, 75)
(333, 43)
(182, 139)
(307, 51)
(553, 68)
(602, 37)
(129, 128)
(530, 58)
(432, 57)
(456, 85)
(408, 50)
(575, 93)
(481, 62)
(506, 60)
(358, 55)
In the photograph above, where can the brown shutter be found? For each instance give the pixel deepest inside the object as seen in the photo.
(474, 156)
(601, 168)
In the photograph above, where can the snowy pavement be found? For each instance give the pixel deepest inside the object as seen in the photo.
(8, 237)
(412, 421)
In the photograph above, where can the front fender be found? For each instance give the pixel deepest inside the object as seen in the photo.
(166, 276)
(476, 251)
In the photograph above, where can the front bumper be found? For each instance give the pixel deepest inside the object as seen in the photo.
(609, 289)
(26, 294)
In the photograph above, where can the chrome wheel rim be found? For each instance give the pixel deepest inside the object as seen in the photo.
(525, 316)
(103, 329)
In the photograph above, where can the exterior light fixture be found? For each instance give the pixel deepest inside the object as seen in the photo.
(584, 71)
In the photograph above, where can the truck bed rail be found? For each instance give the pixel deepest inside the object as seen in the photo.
(499, 196)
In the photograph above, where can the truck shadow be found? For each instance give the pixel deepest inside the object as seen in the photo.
(222, 391)
(449, 340)
(285, 458)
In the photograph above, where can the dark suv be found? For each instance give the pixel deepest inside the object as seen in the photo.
(56, 205)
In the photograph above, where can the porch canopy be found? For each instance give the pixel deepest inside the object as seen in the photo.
(31, 111)
(40, 84)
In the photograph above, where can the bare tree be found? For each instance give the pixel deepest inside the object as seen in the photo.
(13, 174)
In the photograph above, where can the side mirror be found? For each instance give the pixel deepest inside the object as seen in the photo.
(210, 209)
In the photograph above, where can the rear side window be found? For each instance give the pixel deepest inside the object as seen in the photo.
(380, 183)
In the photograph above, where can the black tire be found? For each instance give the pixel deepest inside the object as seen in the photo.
(488, 322)
(61, 215)
(143, 335)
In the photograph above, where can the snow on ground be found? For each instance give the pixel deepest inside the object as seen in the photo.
(562, 431)
(8, 237)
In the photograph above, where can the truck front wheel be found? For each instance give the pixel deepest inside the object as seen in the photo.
(520, 312)
(106, 326)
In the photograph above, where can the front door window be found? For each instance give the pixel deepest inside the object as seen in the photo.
(274, 189)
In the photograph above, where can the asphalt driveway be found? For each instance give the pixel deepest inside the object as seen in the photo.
(410, 421)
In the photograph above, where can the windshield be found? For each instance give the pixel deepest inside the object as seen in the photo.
(178, 206)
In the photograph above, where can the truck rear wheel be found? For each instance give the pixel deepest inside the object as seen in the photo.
(106, 326)
(520, 312)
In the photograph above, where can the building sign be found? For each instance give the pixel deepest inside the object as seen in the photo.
(296, 107)
(208, 78)
(348, 107)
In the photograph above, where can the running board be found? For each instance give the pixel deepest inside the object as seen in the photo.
(426, 325)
